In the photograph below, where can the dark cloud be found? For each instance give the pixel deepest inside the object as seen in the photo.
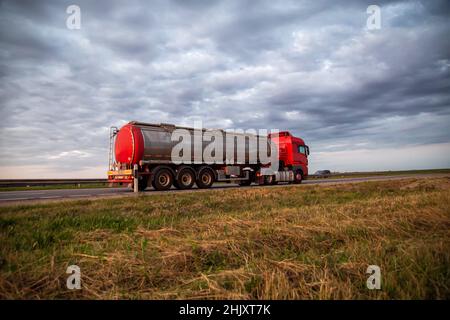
(309, 67)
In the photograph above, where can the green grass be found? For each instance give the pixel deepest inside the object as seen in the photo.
(293, 242)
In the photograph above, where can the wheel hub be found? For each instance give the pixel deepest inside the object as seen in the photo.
(206, 179)
(164, 179)
(186, 179)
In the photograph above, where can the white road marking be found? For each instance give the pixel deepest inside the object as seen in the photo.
(50, 197)
(8, 199)
(12, 193)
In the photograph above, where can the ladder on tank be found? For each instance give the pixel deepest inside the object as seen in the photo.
(112, 134)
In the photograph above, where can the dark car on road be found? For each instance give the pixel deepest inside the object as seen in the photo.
(323, 173)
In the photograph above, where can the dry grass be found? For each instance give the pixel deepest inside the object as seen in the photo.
(308, 242)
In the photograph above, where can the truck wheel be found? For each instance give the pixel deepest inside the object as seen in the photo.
(205, 178)
(298, 177)
(251, 178)
(185, 179)
(163, 180)
(244, 183)
(270, 180)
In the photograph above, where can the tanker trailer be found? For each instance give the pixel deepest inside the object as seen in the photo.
(144, 153)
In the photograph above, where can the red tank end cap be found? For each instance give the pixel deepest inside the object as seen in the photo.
(129, 145)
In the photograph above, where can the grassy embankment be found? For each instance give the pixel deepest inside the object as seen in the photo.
(293, 242)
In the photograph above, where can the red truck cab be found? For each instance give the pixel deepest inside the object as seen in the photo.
(292, 152)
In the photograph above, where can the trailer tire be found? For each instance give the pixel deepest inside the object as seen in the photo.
(205, 178)
(185, 178)
(163, 179)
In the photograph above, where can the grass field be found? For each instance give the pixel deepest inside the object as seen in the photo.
(293, 242)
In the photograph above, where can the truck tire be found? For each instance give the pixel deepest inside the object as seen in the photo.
(251, 178)
(244, 183)
(270, 180)
(163, 179)
(185, 178)
(205, 178)
(298, 177)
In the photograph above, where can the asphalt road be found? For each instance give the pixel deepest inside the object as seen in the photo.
(7, 197)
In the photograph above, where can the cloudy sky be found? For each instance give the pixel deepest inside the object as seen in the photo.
(362, 99)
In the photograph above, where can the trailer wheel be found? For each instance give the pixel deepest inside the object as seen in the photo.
(163, 179)
(205, 178)
(185, 179)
